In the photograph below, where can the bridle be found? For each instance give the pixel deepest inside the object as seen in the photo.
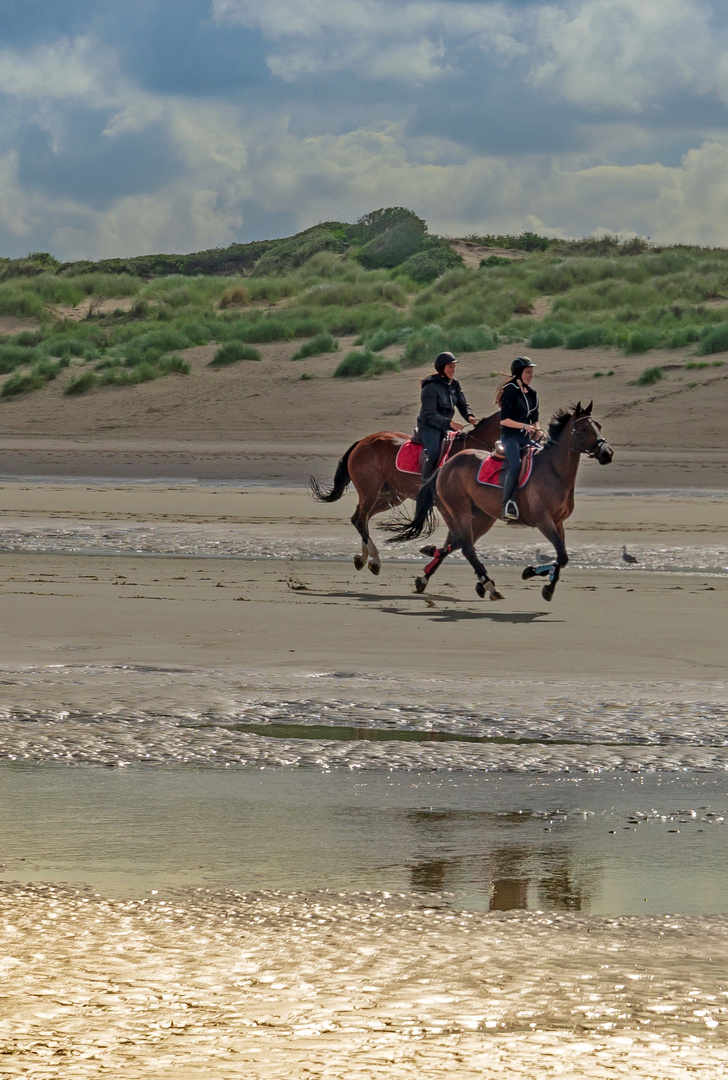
(601, 441)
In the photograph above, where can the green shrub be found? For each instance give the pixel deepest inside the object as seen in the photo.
(428, 265)
(13, 355)
(650, 376)
(642, 339)
(393, 246)
(232, 352)
(424, 345)
(355, 364)
(44, 371)
(174, 365)
(495, 260)
(81, 383)
(587, 337)
(321, 343)
(70, 347)
(21, 382)
(381, 338)
(358, 364)
(684, 335)
(546, 337)
(715, 340)
(144, 372)
(472, 339)
(29, 338)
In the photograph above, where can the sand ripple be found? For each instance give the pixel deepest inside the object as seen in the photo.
(359, 985)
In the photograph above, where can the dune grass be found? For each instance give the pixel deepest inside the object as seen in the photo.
(603, 293)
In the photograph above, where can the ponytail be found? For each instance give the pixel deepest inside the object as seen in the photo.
(499, 392)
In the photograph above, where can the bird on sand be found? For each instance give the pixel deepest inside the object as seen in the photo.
(541, 558)
(626, 557)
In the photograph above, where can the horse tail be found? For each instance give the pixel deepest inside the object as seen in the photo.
(341, 480)
(424, 521)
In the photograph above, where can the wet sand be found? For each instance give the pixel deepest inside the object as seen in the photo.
(148, 604)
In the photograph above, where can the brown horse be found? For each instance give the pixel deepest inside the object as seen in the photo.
(470, 509)
(369, 465)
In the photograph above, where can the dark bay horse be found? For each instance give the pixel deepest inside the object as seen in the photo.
(369, 464)
(470, 509)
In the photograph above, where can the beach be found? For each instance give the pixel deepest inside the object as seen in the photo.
(419, 827)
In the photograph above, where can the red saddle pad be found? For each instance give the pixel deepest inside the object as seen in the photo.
(490, 472)
(408, 457)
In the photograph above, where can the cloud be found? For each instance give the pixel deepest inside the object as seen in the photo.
(372, 39)
(171, 125)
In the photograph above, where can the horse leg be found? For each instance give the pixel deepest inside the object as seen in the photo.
(555, 534)
(384, 500)
(359, 522)
(485, 583)
(438, 557)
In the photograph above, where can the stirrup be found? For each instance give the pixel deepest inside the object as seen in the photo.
(510, 511)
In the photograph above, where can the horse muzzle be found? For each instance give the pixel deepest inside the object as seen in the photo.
(604, 454)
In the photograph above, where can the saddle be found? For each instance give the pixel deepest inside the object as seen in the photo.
(409, 455)
(491, 470)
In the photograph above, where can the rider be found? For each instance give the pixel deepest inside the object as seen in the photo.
(519, 425)
(440, 396)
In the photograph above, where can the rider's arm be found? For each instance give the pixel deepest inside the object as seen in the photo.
(463, 407)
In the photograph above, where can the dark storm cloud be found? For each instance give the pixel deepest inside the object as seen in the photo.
(93, 168)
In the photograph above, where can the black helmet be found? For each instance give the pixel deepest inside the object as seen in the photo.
(442, 360)
(520, 363)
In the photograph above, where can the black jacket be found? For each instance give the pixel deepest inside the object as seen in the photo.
(440, 399)
(517, 404)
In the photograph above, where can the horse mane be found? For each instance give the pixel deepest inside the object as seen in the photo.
(557, 423)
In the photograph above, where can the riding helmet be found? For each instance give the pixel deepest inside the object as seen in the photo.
(520, 364)
(442, 360)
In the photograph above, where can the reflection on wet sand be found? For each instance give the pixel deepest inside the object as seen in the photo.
(509, 874)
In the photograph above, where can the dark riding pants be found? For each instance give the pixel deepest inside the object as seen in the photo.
(431, 438)
(514, 446)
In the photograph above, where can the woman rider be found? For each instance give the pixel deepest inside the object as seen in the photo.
(519, 425)
(440, 396)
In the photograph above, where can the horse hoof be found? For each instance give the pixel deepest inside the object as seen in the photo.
(375, 567)
(480, 589)
(420, 584)
(495, 595)
(359, 562)
(429, 550)
(547, 592)
(529, 572)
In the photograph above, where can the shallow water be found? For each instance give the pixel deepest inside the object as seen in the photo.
(261, 542)
(612, 845)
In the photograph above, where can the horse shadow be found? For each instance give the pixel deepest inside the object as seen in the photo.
(447, 617)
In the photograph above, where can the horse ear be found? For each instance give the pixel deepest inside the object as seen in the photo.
(588, 409)
(577, 409)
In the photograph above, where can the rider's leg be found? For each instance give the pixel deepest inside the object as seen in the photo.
(511, 471)
(432, 441)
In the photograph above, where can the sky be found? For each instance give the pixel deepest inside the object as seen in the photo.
(138, 126)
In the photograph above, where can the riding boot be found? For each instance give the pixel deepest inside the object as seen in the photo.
(510, 509)
(427, 468)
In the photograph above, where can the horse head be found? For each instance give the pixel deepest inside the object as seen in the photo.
(587, 435)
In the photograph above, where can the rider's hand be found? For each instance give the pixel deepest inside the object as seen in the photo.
(454, 426)
(472, 420)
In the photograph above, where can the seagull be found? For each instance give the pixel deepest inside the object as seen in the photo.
(541, 558)
(626, 557)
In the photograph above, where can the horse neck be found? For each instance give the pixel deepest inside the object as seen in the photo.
(483, 435)
(563, 458)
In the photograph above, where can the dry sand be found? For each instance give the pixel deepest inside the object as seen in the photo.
(280, 986)
(260, 421)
